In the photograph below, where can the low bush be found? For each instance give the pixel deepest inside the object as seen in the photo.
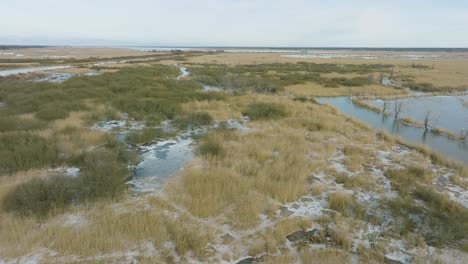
(102, 176)
(264, 111)
(23, 151)
(40, 196)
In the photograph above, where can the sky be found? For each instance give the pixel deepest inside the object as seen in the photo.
(262, 23)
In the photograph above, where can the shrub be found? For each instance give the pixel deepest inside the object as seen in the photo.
(102, 176)
(264, 111)
(24, 151)
(40, 196)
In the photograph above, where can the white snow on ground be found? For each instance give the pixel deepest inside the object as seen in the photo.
(307, 206)
(455, 192)
(396, 251)
(32, 258)
(67, 171)
(108, 126)
(209, 88)
(75, 220)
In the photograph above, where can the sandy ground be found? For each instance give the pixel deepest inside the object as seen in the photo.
(69, 53)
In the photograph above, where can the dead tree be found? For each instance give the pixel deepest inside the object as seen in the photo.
(385, 105)
(464, 134)
(427, 119)
(398, 108)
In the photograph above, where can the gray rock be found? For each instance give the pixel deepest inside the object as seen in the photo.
(248, 260)
(227, 238)
(297, 236)
(392, 261)
(285, 212)
(315, 236)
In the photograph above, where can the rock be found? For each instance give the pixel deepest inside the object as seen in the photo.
(314, 236)
(285, 212)
(227, 238)
(297, 236)
(248, 260)
(392, 261)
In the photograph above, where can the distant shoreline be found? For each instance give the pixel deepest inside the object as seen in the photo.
(276, 49)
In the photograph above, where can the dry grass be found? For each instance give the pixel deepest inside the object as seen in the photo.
(325, 256)
(270, 163)
(313, 89)
(440, 73)
(253, 175)
(105, 230)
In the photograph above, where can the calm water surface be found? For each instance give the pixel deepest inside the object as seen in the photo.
(454, 149)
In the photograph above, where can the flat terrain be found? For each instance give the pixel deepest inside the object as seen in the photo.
(68, 53)
(293, 181)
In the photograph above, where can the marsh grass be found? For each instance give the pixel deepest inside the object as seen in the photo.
(264, 111)
(40, 196)
(147, 135)
(442, 221)
(23, 151)
(346, 205)
(102, 177)
(193, 120)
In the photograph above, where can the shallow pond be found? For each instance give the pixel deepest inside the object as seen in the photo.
(61, 77)
(28, 70)
(454, 149)
(160, 161)
(447, 112)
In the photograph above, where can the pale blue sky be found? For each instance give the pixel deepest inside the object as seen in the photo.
(335, 23)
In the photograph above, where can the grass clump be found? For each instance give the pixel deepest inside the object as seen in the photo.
(102, 176)
(404, 181)
(146, 135)
(23, 151)
(40, 196)
(345, 204)
(211, 146)
(193, 120)
(265, 111)
(8, 124)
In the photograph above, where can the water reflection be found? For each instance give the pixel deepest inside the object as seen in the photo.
(455, 149)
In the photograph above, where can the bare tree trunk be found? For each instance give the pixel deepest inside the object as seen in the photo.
(385, 105)
(464, 134)
(427, 119)
(398, 107)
